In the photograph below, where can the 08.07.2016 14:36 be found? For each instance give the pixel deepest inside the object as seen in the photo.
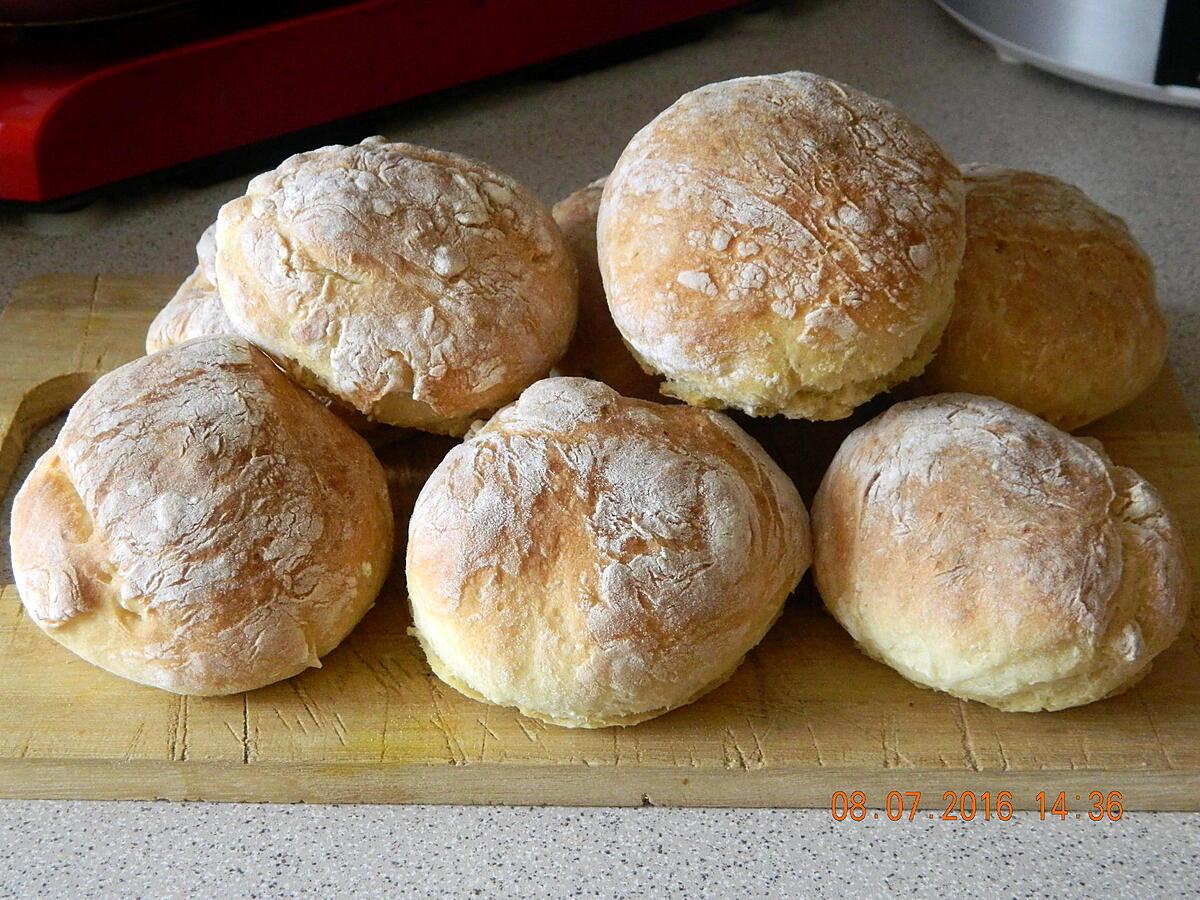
(967, 806)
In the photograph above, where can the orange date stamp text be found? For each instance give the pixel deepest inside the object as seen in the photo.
(972, 806)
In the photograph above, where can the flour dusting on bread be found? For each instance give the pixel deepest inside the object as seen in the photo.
(651, 545)
(418, 286)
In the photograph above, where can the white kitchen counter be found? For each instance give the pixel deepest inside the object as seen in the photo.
(1141, 160)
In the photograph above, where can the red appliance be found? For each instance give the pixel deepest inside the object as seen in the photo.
(117, 100)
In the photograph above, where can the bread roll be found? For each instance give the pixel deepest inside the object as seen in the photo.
(597, 349)
(201, 525)
(781, 244)
(422, 288)
(1055, 307)
(980, 551)
(206, 253)
(195, 310)
(594, 560)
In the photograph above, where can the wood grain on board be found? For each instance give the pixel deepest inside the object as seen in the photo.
(804, 716)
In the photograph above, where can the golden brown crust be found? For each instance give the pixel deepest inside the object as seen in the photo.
(420, 287)
(781, 244)
(980, 551)
(597, 560)
(201, 524)
(597, 349)
(1055, 308)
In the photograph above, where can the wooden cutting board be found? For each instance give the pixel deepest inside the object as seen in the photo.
(806, 715)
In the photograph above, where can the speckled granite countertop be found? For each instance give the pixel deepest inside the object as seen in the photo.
(1135, 158)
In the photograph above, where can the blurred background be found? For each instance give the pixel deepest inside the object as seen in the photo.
(99, 91)
(95, 93)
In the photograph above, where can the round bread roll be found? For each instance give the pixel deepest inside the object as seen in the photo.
(980, 551)
(597, 350)
(206, 253)
(195, 310)
(1055, 308)
(781, 244)
(422, 288)
(595, 560)
(201, 525)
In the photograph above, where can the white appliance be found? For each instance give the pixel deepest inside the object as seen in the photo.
(1144, 48)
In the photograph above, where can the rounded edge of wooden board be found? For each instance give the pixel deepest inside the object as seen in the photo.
(567, 785)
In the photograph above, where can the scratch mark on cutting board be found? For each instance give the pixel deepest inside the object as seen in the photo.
(177, 733)
(381, 674)
(1005, 762)
(183, 728)
(487, 732)
(282, 720)
(173, 731)
(133, 741)
(307, 702)
(387, 721)
(339, 728)
(735, 758)
(812, 735)
(893, 757)
(245, 728)
(1158, 741)
(964, 730)
(453, 746)
(531, 736)
(638, 753)
(759, 752)
(87, 323)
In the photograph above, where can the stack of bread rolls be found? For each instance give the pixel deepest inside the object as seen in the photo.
(595, 552)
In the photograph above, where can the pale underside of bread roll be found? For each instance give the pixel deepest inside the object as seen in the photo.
(422, 288)
(201, 524)
(597, 349)
(1055, 308)
(781, 244)
(595, 560)
(980, 551)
